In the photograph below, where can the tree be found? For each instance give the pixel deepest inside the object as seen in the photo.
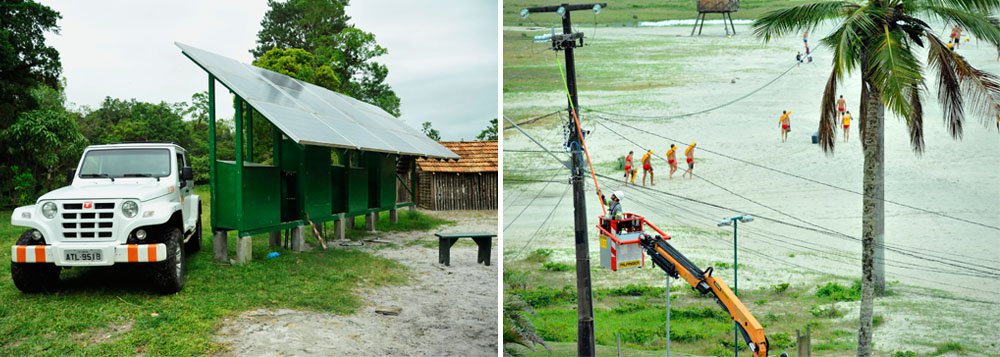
(46, 143)
(301, 65)
(879, 40)
(26, 62)
(490, 133)
(120, 120)
(430, 132)
(321, 28)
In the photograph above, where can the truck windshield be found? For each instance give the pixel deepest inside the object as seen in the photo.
(126, 163)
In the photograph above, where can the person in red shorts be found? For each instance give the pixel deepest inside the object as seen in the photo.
(672, 159)
(841, 109)
(689, 152)
(647, 166)
(628, 168)
(786, 124)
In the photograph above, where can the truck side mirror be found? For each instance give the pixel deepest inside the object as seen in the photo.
(187, 174)
(70, 175)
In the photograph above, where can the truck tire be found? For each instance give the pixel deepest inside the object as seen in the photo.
(34, 277)
(194, 244)
(168, 275)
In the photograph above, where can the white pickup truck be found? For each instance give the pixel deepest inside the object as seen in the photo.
(128, 203)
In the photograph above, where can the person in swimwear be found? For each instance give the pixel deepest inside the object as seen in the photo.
(647, 166)
(628, 167)
(841, 109)
(689, 153)
(786, 124)
(847, 126)
(672, 159)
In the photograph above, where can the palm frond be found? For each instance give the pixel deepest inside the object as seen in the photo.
(828, 115)
(846, 41)
(916, 121)
(894, 69)
(939, 58)
(980, 89)
(982, 25)
(799, 18)
(978, 6)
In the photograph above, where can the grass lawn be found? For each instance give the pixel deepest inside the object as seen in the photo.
(625, 12)
(109, 311)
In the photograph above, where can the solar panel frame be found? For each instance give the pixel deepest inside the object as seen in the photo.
(312, 115)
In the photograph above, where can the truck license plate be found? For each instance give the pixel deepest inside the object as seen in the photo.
(83, 255)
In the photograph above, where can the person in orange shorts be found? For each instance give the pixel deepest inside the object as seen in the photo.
(647, 166)
(847, 126)
(672, 159)
(689, 152)
(786, 124)
(629, 168)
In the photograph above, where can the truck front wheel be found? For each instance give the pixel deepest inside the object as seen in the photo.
(168, 275)
(34, 277)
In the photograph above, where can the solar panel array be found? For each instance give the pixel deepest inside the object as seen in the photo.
(313, 115)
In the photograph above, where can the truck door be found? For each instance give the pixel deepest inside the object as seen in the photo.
(184, 190)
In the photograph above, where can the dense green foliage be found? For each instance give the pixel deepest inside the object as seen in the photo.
(25, 60)
(321, 28)
(490, 133)
(430, 131)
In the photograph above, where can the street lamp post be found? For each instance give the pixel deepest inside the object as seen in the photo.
(734, 221)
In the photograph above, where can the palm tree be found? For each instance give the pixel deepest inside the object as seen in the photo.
(880, 39)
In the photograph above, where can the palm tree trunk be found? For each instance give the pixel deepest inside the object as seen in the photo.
(872, 118)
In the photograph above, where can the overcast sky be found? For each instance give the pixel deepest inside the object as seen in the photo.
(442, 54)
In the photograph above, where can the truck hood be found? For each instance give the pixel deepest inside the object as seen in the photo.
(140, 191)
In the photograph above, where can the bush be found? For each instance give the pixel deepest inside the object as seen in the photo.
(780, 340)
(550, 266)
(547, 296)
(639, 335)
(949, 347)
(780, 288)
(637, 290)
(515, 280)
(826, 311)
(905, 354)
(539, 255)
(627, 307)
(836, 292)
(694, 313)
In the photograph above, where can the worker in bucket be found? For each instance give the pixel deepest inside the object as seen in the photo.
(614, 205)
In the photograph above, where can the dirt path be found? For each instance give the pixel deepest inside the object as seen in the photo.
(446, 311)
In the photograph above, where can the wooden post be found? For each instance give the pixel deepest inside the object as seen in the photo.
(299, 238)
(393, 216)
(274, 240)
(370, 221)
(244, 247)
(338, 228)
(220, 245)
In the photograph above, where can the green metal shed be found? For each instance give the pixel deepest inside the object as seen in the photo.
(302, 185)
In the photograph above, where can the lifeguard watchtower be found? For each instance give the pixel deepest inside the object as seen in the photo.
(724, 7)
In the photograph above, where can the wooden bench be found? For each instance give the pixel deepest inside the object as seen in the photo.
(483, 239)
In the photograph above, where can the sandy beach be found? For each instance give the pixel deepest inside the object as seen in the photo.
(942, 270)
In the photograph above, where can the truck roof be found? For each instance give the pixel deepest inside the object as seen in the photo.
(138, 145)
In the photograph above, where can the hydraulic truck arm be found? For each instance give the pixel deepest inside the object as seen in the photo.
(675, 264)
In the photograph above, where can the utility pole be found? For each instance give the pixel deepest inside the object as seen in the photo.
(566, 42)
(734, 221)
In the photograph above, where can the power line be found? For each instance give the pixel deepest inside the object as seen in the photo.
(801, 177)
(544, 222)
(532, 120)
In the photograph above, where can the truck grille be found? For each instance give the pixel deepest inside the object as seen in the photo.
(88, 223)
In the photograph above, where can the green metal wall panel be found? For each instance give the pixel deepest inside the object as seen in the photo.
(315, 186)
(225, 197)
(357, 191)
(261, 197)
(381, 180)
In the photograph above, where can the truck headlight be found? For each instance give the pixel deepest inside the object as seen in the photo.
(130, 209)
(49, 210)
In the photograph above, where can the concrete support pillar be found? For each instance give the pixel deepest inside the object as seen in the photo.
(393, 216)
(274, 239)
(220, 246)
(299, 238)
(338, 228)
(370, 221)
(244, 247)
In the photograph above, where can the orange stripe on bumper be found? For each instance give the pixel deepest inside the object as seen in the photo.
(133, 253)
(151, 253)
(22, 254)
(39, 254)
